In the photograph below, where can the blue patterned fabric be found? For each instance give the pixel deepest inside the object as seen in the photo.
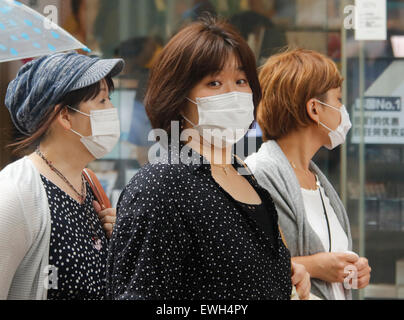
(42, 83)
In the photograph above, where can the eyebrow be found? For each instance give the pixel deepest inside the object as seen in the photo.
(241, 68)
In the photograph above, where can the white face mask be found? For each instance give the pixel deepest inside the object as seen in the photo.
(338, 136)
(224, 118)
(105, 129)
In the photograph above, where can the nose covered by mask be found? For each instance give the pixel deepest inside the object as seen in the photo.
(105, 129)
(338, 136)
(224, 118)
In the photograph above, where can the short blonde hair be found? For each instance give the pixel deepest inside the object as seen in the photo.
(288, 81)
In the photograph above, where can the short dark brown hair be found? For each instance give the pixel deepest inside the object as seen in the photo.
(199, 50)
(289, 80)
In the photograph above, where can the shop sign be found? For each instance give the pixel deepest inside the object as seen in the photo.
(370, 20)
(383, 121)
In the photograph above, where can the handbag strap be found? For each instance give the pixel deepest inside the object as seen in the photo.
(97, 189)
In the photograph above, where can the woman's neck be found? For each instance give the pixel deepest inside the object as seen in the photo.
(300, 147)
(215, 155)
(66, 157)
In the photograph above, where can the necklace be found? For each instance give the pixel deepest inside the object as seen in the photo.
(223, 167)
(81, 194)
(322, 201)
(308, 172)
(97, 241)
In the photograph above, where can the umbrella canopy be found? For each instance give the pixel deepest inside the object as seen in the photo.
(24, 33)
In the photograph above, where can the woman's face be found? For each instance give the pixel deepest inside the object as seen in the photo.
(80, 122)
(231, 78)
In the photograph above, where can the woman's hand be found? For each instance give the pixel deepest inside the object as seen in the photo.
(301, 280)
(107, 217)
(363, 272)
(331, 266)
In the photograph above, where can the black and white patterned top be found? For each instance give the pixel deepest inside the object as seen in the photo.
(81, 266)
(180, 235)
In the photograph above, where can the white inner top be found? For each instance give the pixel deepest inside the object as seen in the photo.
(316, 217)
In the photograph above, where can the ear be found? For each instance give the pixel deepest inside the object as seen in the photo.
(64, 118)
(312, 110)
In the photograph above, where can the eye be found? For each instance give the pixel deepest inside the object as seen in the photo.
(105, 99)
(214, 84)
(242, 82)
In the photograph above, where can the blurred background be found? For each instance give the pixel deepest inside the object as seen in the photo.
(367, 171)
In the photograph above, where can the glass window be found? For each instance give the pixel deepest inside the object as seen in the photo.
(143, 27)
(374, 153)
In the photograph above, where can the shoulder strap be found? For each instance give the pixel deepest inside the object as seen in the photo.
(97, 189)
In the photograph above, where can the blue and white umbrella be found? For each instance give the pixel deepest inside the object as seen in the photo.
(24, 33)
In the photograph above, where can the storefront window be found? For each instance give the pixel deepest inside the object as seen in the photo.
(143, 27)
(374, 153)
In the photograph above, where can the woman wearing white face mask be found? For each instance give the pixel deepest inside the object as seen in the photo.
(190, 226)
(54, 235)
(300, 112)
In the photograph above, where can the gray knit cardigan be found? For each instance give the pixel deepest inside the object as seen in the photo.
(274, 172)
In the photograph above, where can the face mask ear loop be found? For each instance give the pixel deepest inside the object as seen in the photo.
(325, 126)
(186, 119)
(190, 122)
(77, 133)
(325, 104)
(190, 100)
(84, 114)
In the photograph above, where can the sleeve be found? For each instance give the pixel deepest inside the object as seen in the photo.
(148, 248)
(13, 241)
